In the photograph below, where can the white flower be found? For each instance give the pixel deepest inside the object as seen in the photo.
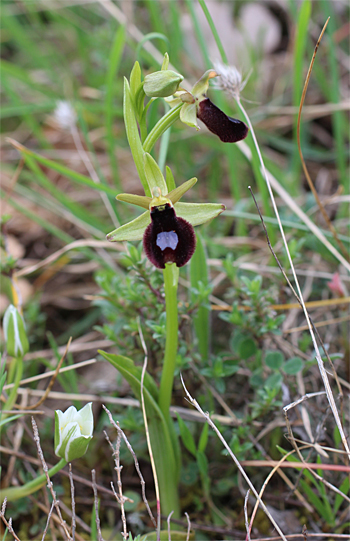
(73, 432)
(15, 333)
(65, 115)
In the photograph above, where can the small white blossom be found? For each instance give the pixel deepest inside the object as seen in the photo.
(65, 115)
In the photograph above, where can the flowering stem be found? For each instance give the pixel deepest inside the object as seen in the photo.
(14, 493)
(171, 277)
(162, 125)
(18, 376)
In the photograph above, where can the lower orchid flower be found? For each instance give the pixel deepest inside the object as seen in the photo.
(166, 227)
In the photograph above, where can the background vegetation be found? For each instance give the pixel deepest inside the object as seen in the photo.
(244, 348)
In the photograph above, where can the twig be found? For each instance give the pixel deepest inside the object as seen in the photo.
(136, 462)
(49, 482)
(118, 468)
(248, 526)
(97, 518)
(228, 448)
(73, 527)
(306, 172)
(48, 521)
(8, 523)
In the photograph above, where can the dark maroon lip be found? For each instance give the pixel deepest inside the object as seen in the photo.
(229, 130)
(168, 238)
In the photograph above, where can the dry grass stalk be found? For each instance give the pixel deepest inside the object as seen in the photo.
(49, 482)
(136, 462)
(97, 517)
(227, 447)
(118, 468)
(8, 523)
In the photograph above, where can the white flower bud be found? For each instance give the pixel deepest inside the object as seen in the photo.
(73, 432)
(15, 333)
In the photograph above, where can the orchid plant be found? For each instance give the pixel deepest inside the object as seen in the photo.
(166, 228)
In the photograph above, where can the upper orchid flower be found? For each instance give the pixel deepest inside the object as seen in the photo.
(167, 225)
(197, 105)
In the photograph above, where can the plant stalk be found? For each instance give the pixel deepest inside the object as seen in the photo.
(14, 493)
(171, 277)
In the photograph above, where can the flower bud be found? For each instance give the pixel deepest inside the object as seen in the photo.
(162, 84)
(15, 333)
(73, 432)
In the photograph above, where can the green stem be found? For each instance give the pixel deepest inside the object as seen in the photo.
(14, 493)
(13, 394)
(162, 125)
(171, 277)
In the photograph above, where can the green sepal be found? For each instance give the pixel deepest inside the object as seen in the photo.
(165, 63)
(165, 446)
(202, 85)
(176, 194)
(133, 230)
(135, 79)
(169, 178)
(154, 175)
(15, 334)
(133, 136)
(198, 213)
(188, 115)
(138, 200)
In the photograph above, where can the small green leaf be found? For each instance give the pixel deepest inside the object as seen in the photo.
(202, 462)
(186, 436)
(135, 79)
(247, 348)
(274, 381)
(274, 359)
(203, 440)
(293, 366)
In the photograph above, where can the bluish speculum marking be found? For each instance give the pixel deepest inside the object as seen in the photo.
(167, 239)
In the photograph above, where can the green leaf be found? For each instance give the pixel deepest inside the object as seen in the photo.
(247, 348)
(203, 440)
(199, 273)
(135, 79)
(274, 359)
(186, 436)
(162, 434)
(274, 381)
(344, 487)
(293, 366)
(202, 462)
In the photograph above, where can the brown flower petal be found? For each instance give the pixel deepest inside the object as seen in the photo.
(168, 238)
(230, 130)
